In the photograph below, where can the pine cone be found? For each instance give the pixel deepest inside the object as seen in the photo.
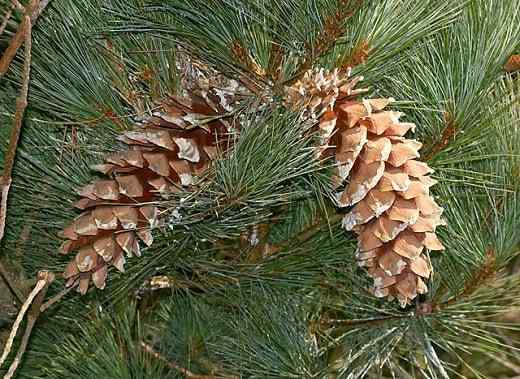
(170, 147)
(393, 212)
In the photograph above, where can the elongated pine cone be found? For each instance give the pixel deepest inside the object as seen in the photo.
(392, 210)
(165, 152)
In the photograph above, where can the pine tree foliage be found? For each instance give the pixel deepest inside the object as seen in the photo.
(251, 274)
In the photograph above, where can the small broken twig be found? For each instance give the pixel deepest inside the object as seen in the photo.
(8, 345)
(33, 11)
(53, 300)
(35, 300)
(187, 373)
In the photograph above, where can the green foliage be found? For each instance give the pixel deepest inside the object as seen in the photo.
(103, 345)
(298, 308)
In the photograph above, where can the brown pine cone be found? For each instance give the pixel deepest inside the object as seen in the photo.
(169, 149)
(392, 211)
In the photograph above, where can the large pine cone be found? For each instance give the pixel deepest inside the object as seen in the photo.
(164, 153)
(392, 210)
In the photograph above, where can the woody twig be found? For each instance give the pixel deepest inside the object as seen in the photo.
(33, 10)
(21, 105)
(36, 297)
(33, 304)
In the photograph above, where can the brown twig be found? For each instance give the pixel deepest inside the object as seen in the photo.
(53, 300)
(34, 10)
(447, 134)
(21, 105)
(187, 373)
(246, 59)
(42, 282)
(45, 278)
(486, 272)
(333, 28)
(308, 232)
(274, 67)
(359, 55)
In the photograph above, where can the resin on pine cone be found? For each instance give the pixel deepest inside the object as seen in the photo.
(391, 208)
(165, 152)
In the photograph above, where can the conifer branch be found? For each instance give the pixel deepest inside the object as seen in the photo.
(16, 4)
(244, 57)
(486, 272)
(358, 56)
(306, 234)
(450, 130)
(274, 68)
(187, 373)
(333, 28)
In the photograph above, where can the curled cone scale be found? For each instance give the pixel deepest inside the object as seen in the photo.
(388, 188)
(165, 152)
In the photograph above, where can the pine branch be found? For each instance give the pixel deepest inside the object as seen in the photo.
(449, 132)
(317, 226)
(187, 373)
(333, 29)
(359, 55)
(486, 273)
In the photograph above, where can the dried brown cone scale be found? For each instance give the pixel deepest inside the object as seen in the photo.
(388, 190)
(165, 152)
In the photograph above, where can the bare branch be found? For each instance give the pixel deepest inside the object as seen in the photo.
(5, 184)
(8, 345)
(45, 278)
(21, 105)
(49, 303)
(34, 10)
